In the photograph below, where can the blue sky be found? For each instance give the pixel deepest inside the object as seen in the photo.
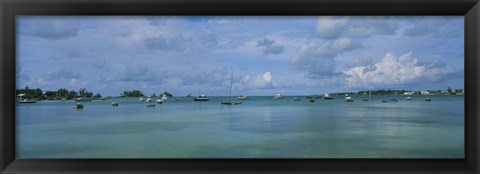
(299, 55)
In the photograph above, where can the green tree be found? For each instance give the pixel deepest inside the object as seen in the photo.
(449, 90)
(133, 93)
(167, 94)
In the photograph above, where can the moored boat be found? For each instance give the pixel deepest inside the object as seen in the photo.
(278, 96)
(348, 99)
(428, 99)
(230, 102)
(159, 101)
(78, 106)
(202, 97)
(83, 99)
(390, 100)
(114, 103)
(242, 97)
(27, 101)
(297, 99)
(327, 97)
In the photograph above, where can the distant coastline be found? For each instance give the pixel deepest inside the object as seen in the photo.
(63, 93)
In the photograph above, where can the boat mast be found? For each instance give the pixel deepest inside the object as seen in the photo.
(231, 83)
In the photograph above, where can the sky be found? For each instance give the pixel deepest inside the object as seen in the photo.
(296, 55)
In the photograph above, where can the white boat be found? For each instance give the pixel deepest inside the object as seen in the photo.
(149, 100)
(327, 97)
(164, 97)
(408, 98)
(159, 101)
(296, 99)
(242, 97)
(202, 97)
(78, 106)
(348, 99)
(141, 99)
(278, 96)
(81, 99)
(27, 101)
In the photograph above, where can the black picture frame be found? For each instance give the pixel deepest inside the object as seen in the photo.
(470, 9)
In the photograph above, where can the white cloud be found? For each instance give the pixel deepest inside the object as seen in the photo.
(261, 81)
(391, 70)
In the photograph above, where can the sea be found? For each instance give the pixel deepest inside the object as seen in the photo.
(260, 127)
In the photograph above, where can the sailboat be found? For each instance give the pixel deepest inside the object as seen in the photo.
(230, 102)
(369, 96)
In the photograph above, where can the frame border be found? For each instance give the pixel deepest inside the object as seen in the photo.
(470, 9)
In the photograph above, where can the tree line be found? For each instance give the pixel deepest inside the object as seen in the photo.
(40, 94)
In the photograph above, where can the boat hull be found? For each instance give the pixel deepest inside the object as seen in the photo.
(231, 103)
(201, 99)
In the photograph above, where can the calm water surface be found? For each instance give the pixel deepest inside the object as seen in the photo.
(258, 128)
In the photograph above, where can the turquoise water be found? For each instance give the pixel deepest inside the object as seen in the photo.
(258, 128)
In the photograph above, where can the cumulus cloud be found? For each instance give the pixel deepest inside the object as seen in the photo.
(391, 70)
(49, 28)
(63, 74)
(319, 59)
(329, 27)
(261, 81)
(269, 46)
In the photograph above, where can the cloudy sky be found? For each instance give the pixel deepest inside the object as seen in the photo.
(268, 55)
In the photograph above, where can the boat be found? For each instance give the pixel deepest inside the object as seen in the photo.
(150, 105)
(159, 101)
(114, 103)
(64, 99)
(164, 97)
(428, 99)
(78, 106)
(27, 101)
(104, 98)
(242, 97)
(149, 100)
(408, 98)
(230, 102)
(348, 98)
(82, 99)
(141, 99)
(297, 99)
(369, 96)
(311, 100)
(278, 96)
(202, 97)
(390, 100)
(327, 97)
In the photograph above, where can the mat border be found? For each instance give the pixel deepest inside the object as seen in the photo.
(11, 8)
